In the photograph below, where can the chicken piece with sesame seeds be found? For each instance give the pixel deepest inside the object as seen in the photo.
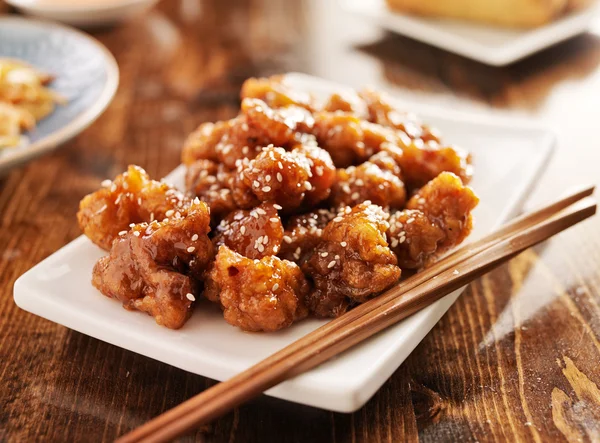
(276, 92)
(378, 180)
(380, 111)
(421, 162)
(352, 262)
(437, 218)
(131, 198)
(283, 177)
(257, 295)
(156, 267)
(211, 182)
(278, 125)
(349, 139)
(448, 203)
(303, 233)
(201, 144)
(254, 233)
(347, 101)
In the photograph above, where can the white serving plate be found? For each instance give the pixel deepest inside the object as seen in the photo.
(488, 44)
(86, 75)
(86, 14)
(509, 156)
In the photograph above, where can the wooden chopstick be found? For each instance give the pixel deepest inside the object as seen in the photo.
(518, 235)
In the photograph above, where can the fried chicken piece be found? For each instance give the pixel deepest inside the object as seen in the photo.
(421, 162)
(284, 177)
(201, 144)
(131, 198)
(413, 237)
(377, 180)
(353, 261)
(382, 112)
(276, 92)
(278, 125)
(347, 101)
(448, 203)
(253, 233)
(303, 233)
(436, 219)
(211, 183)
(257, 295)
(155, 268)
(349, 139)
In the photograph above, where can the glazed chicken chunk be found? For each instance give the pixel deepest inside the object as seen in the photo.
(437, 218)
(211, 182)
(257, 295)
(131, 198)
(352, 262)
(303, 233)
(276, 93)
(378, 180)
(254, 233)
(156, 267)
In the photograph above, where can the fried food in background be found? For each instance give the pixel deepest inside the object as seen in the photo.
(509, 13)
(24, 100)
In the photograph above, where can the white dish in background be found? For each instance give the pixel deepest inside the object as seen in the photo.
(488, 44)
(509, 157)
(84, 14)
(85, 74)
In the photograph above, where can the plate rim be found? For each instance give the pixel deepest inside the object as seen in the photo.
(360, 389)
(84, 119)
(505, 54)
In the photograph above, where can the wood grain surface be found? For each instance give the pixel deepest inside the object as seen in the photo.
(517, 358)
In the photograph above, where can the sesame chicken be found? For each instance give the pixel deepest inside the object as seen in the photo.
(257, 295)
(131, 198)
(156, 267)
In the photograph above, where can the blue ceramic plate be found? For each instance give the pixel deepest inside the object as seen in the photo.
(86, 74)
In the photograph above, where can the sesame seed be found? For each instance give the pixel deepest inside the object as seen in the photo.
(152, 216)
(254, 214)
(194, 237)
(113, 188)
(260, 248)
(125, 185)
(266, 188)
(359, 182)
(122, 233)
(279, 177)
(190, 296)
(276, 206)
(324, 254)
(256, 184)
(268, 178)
(346, 189)
(274, 219)
(275, 286)
(106, 183)
(196, 201)
(165, 220)
(261, 211)
(280, 165)
(191, 249)
(131, 225)
(243, 230)
(307, 185)
(338, 219)
(337, 257)
(265, 239)
(344, 244)
(355, 196)
(401, 240)
(136, 233)
(421, 201)
(319, 170)
(331, 264)
(169, 213)
(410, 220)
(287, 239)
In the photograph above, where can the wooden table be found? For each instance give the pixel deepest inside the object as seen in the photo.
(516, 358)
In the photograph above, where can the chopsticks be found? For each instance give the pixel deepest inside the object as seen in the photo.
(408, 297)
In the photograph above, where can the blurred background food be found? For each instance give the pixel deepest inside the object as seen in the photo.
(510, 13)
(84, 13)
(24, 99)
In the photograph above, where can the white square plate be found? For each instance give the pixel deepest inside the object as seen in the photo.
(488, 44)
(508, 158)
